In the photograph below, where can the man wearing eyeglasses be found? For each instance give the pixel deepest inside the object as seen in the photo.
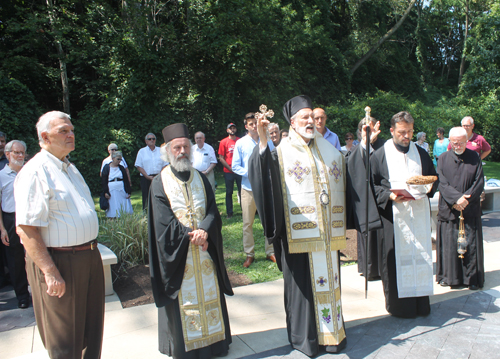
(406, 271)
(475, 142)
(149, 164)
(461, 183)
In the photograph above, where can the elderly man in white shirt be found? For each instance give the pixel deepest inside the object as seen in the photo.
(15, 151)
(149, 164)
(58, 225)
(204, 159)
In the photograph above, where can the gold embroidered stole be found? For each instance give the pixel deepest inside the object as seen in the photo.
(199, 301)
(313, 227)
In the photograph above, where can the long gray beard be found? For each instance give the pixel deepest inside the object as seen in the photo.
(181, 164)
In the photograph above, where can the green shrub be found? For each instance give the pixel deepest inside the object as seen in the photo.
(127, 237)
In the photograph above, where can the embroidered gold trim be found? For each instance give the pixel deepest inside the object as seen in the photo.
(298, 171)
(338, 209)
(304, 225)
(337, 224)
(206, 313)
(304, 209)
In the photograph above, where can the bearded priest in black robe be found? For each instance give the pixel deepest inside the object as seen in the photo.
(188, 275)
(299, 190)
(461, 183)
(406, 265)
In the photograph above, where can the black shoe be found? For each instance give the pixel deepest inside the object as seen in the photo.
(24, 303)
(473, 287)
(229, 216)
(443, 284)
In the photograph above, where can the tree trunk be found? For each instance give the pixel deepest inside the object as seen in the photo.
(383, 38)
(462, 62)
(62, 63)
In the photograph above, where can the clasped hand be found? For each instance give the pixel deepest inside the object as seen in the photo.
(462, 203)
(199, 237)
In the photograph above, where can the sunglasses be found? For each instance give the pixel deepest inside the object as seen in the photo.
(151, 139)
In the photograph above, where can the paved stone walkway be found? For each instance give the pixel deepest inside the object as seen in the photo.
(463, 327)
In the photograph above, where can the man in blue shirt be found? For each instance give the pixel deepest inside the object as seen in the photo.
(319, 117)
(242, 151)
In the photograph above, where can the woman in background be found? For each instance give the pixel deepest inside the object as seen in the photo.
(349, 139)
(421, 137)
(116, 187)
(440, 145)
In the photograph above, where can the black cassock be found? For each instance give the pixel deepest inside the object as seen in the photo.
(400, 307)
(357, 186)
(459, 175)
(168, 249)
(264, 176)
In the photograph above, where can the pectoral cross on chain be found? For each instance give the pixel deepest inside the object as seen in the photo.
(265, 112)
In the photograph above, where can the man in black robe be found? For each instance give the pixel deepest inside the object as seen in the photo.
(264, 175)
(368, 250)
(170, 242)
(461, 183)
(402, 132)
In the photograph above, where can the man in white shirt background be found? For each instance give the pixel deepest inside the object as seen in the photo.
(204, 159)
(149, 164)
(15, 151)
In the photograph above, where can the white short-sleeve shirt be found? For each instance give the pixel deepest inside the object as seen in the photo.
(203, 157)
(150, 161)
(52, 195)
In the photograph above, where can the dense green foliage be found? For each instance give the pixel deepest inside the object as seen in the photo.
(136, 66)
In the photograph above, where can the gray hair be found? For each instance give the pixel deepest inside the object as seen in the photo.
(2, 134)
(419, 135)
(467, 118)
(43, 124)
(272, 124)
(200, 133)
(458, 132)
(149, 134)
(8, 146)
(111, 145)
(116, 154)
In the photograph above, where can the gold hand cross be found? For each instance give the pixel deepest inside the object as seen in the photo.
(265, 112)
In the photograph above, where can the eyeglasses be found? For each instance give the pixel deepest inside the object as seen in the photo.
(467, 126)
(151, 139)
(349, 139)
(113, 149)
(458, 144)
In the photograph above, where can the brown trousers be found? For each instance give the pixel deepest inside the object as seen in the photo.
(71, 327)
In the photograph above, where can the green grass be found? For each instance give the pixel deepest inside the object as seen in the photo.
(492, 169)
(260, 271)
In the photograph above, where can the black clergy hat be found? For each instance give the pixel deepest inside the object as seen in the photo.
(295, 105)
(177, 130)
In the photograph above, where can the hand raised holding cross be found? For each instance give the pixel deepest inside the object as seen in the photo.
(262, 123)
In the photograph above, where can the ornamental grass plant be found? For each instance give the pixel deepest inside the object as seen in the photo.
(127, 237)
